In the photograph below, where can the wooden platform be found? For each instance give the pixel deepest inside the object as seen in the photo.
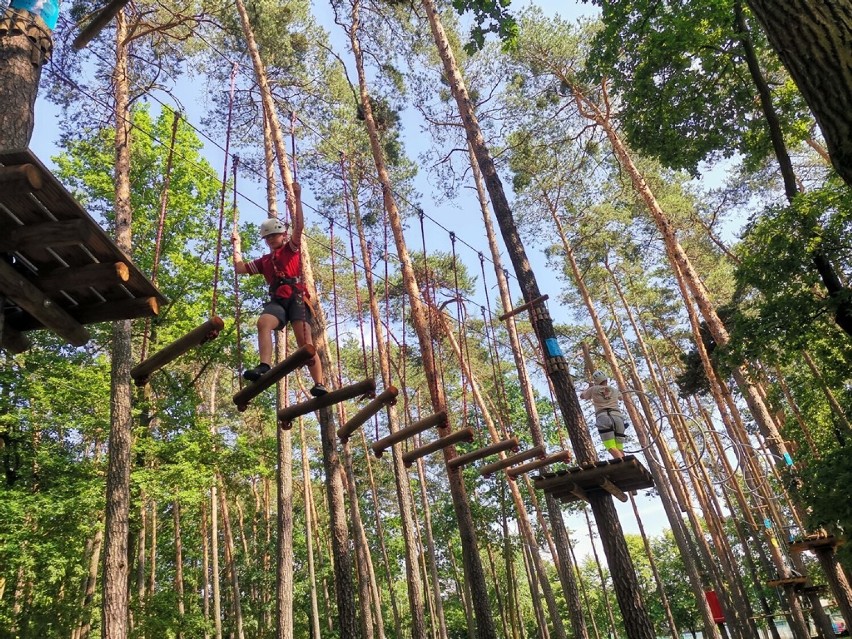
(814, 542)
(787, 581)
(58, 268)
(616, 477)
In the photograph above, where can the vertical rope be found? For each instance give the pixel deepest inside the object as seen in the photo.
(224, 185)
(237, 303)
(462, 340)
(295, 162)
(493, 354)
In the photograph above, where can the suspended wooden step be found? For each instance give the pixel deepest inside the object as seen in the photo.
(96, 25)
(482, 453)
(286, 415)
(61, 271)
(517, 471)
(814, 542)
(616, 477)
(511, 460)
(380, 446)
(463, 435)
(523, 307)
(209, 330)
(286, 366)
(386, 398)
(797, 580)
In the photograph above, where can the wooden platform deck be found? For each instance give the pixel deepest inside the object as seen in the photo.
(616, 477)
(814, 542)
(58, 268)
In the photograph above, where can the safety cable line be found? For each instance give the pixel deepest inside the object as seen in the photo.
(464, 377)
(493, 353)
(237, 303)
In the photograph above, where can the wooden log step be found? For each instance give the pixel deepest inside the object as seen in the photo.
(101, 19)
(517, 471)
(511, 460)
(22, 292)
(523, 307)
(142, 372)
(385, 398)
(286, 366)
(286, 415)
(28, 173)
(74, 278)
(481, 453)
(463, 435)
(438, 419)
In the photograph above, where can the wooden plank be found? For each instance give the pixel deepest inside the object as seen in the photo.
(22, 173)
(286, 415)
(14, 287)
(612, 489)
(480, 453)
(386, 398)
(517, 471)
(438, 419)
(298, 358)
(47, 234)
(74, 278)
(463, 435)
(105, 312)
(142, 372)
(511, 460)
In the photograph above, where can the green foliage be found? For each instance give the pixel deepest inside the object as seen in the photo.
(490, 16)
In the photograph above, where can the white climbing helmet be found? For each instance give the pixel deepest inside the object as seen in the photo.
(272, 226)
(599, 376)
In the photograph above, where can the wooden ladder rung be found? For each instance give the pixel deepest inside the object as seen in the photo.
(286, 366)
(142, 372)
(286, 415)
(511, 460)
(380, 446)
(612, 489)
(385, 398)
(463, 435)
(561, 456)
(480, 453)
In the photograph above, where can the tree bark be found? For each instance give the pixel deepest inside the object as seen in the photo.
(811, 37)
(115, 587)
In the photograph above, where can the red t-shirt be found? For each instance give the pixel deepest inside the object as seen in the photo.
(283, 262)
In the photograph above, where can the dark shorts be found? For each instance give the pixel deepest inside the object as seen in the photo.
(291, 309)
(610, 425)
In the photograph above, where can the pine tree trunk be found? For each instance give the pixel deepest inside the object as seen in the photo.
(309, 533)
(205, 570)
(812, 39)
(285, 557)
(403, 487)
(82, 631)
(557, 523)
(115, 590)
(25, 46)
(181, 606)
(231, 561)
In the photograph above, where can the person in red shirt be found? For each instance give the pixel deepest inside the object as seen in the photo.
(282, 269)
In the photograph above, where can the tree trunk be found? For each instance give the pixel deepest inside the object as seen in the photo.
(231, 561)
(205, 569)
(25, 46)
(115, 591)
(811, 37)
(181, 607)
(309, 533)
(284, 521)
(82, 631)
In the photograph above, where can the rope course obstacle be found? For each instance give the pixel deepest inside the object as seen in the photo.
(615, 476)
(286, 366)
(363, 389)
(60, 270)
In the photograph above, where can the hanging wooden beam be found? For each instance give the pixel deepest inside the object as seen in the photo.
(105, 312)
(612, 489)
(15, 287)
(380, 446)
(561, 456)
(523, 307)
(463, 435)
(13, 341)
(386, 398)
(142, 372)
(286, 415)
(28, 173)
(286, 366)
(511, 460)
(101, 19)
(481, 453)
(75, 278)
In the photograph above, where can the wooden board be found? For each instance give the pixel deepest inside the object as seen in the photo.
(626, 474)
(52, 242)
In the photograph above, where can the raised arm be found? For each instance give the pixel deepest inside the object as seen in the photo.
(298, 218)
(239, 265)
